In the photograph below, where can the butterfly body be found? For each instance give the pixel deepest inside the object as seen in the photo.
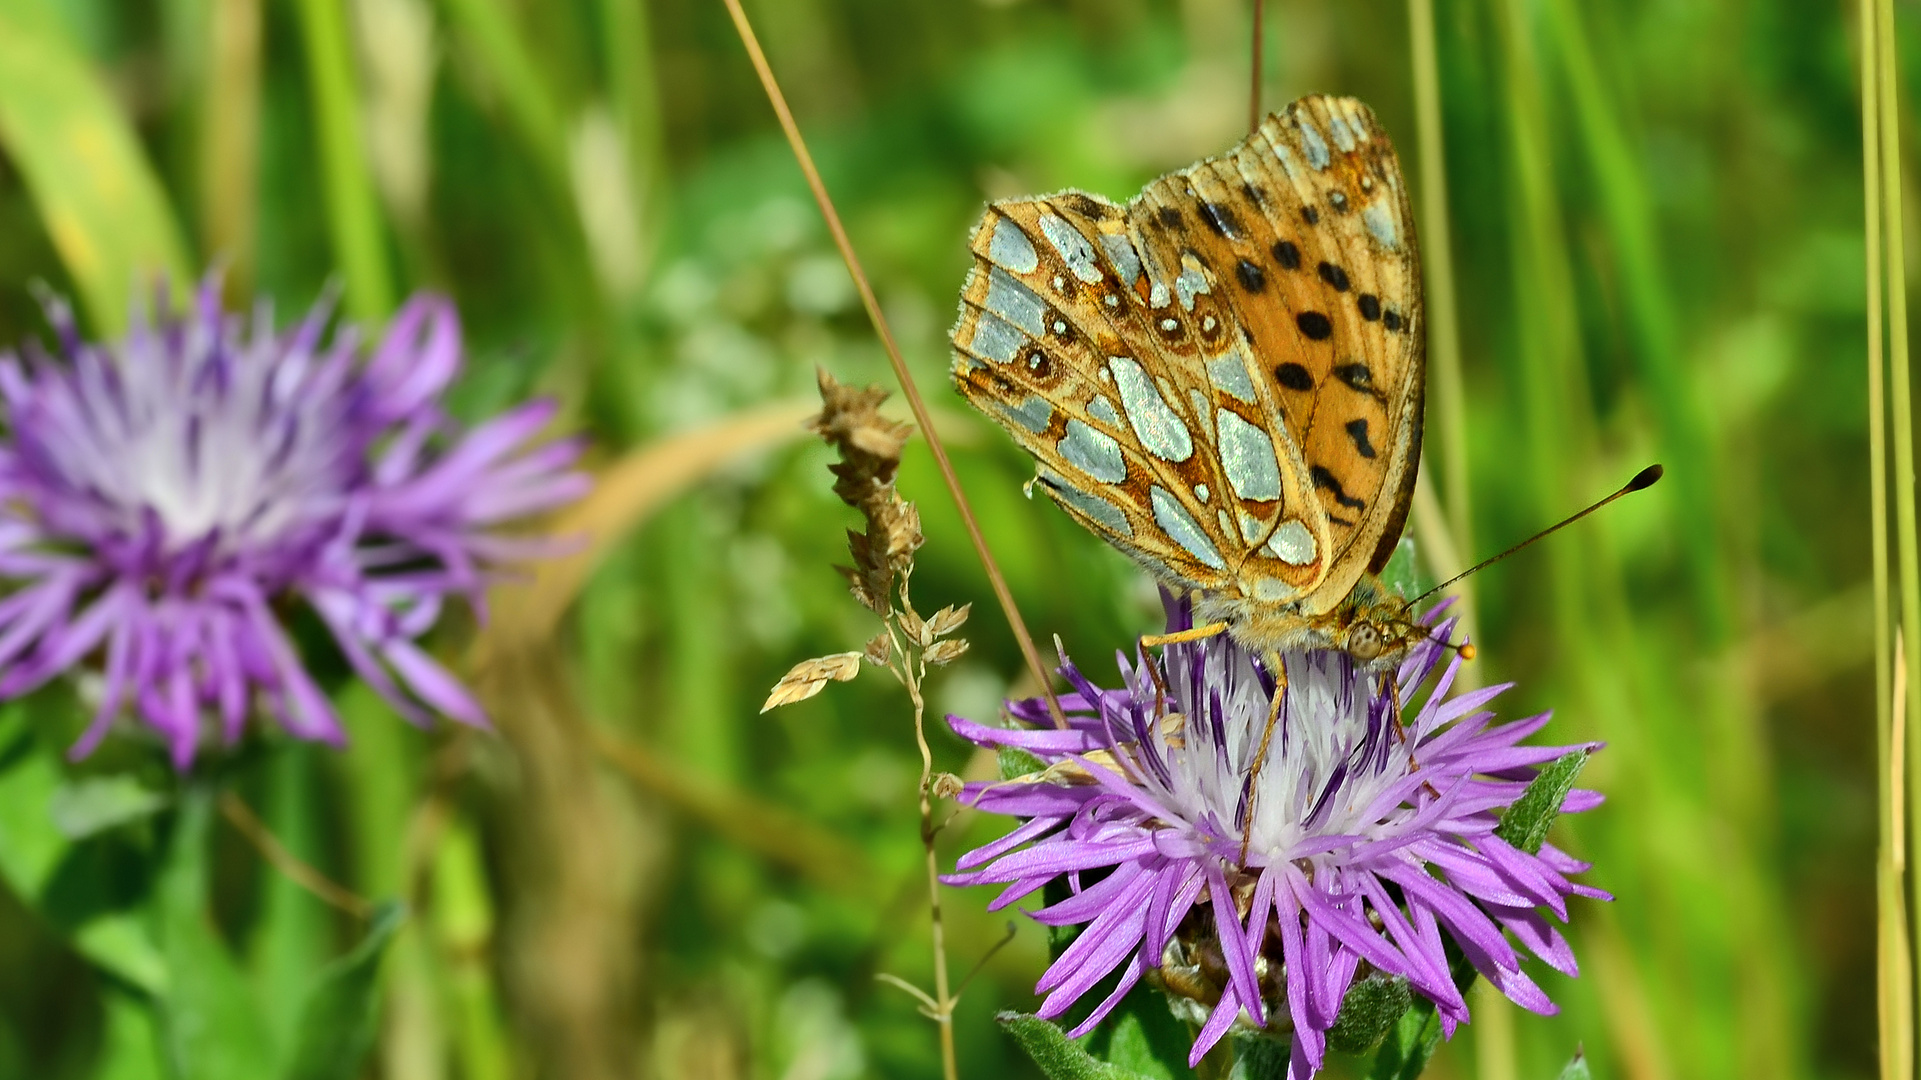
(1223, 378)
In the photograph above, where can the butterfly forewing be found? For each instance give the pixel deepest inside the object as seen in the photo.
(1224, 377)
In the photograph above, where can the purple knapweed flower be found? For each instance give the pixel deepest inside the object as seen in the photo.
(167, 498)
(1370, 841)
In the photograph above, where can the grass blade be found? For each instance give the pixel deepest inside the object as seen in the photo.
(347, 178)
(96, 192)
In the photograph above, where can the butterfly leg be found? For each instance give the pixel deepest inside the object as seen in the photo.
(1193, 634)
(1278, 666)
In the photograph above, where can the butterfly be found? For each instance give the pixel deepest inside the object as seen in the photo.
(1223, 378)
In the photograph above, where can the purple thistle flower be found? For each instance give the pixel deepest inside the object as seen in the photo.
(164, 497)
(1369, 843)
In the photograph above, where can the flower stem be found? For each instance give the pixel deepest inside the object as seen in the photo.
(944, 1004)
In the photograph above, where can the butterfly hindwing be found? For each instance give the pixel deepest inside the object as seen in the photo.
(1224, 377)
(1095, 359)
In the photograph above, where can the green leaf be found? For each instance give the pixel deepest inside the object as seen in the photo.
(126, 1040)
(1258, 1057)
(209, 1027)
(342, 1013)
(1577, 1069)
(1402, 574)
(1015, 762)
(97, 195)
(120, 943)
(1407, 1048)
(1142, 1036)
(82, 808)
(1525, 824)
(1372, 1009)
(30, 847)
(1058, 1056)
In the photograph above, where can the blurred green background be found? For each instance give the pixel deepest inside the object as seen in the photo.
(1656, 211)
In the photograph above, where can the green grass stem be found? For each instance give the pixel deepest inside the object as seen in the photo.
(1894, 971)
(347, 178)
(1437, 257)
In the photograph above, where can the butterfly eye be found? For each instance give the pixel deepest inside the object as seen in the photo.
(1363, 641)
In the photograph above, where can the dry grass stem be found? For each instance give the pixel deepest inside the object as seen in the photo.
(905, 377)
(291, 866)
(765, 829)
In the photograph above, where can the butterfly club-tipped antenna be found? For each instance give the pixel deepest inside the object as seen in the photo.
(1642, 480)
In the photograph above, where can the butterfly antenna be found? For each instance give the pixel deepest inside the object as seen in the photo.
(1642, 480)
(1254, 92)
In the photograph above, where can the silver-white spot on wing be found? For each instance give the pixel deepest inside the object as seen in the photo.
(1034, 414)
(1159, 430)
(1175, 521)
(1011, 248)
(1247, 456)
(1015, 302)
(1313, 144)
(1292, 543)
(996, 338)
(1102, 511)
(1343, 137)
(1272, 590)
(1251, 527)
(1192, 282)
(1120, 251)
(1287, 162)
(1201, 493)
(1093, 453)
(1073, 248)
(1228, 373)
(1103, 410)
(1383, 224)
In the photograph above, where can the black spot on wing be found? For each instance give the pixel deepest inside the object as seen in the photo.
(1294, 377)
(1252, 277)
(1222, 220)
(1325, 480)
(1169, 217)
(1334, 276)
(1370, 306)
(1391, 320)
(1356, 376)
(1315, 325)
(1310, 215)
(1287, 254)
(1357, 430)
(1089, 207)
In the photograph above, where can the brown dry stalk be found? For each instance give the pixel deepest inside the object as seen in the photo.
(906, 378)
(762, 828)
(296, 870)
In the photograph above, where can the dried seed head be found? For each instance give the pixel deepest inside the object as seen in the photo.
(869, 445)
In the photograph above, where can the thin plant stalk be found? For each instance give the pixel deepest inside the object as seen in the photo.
(353, 207)
(1437, 257)
(906, 378)
(1908, 550)
(1894, 974)
(912, 669)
